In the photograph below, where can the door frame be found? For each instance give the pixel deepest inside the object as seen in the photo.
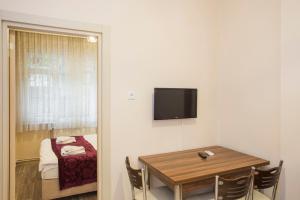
(11, 19)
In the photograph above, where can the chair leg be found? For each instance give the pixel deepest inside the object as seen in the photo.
(274, 192)
(132, 193)
(251, 190)
(145, 193)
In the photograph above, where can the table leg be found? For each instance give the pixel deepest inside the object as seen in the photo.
(177, 192)
(147, 176)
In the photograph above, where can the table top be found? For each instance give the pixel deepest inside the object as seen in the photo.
(186, 166)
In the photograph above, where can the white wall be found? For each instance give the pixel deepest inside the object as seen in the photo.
(159, 44)
(229, 49)
(290, 136)
(258, 89)
(249, 76)
(153, 44)
(248, 63)
(91, 11)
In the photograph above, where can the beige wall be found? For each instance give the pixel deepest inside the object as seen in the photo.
(249, 76)
(290, 136)
(258, 89)
(236, 61)
(153, 44)
(159, 44)
(249, 81)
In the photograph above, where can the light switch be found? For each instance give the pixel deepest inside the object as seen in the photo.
(131, 95)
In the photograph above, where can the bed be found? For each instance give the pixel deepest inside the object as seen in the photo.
(48, 167)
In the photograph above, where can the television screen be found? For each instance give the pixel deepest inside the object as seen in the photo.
(175, 103)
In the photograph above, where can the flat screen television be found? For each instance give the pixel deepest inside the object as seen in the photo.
(175, 103)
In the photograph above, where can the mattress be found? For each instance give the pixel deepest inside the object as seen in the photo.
(48, 165)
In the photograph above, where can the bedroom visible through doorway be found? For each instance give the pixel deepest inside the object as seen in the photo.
(53, 114)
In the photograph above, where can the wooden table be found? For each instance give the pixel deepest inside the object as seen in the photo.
(184, 171)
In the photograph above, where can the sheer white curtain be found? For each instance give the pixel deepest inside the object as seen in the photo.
(56, 79)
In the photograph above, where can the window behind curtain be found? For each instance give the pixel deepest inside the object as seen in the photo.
(56, 79)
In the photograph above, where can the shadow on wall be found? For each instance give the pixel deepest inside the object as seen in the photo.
(173, 122)
(166, 123)
(126, 189)
(282, 184)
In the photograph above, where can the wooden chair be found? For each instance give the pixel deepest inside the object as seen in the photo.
(138, 181)
(230, 189)
(264, 179)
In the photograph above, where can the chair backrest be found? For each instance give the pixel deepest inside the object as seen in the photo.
(135, 175)
(232, 189)
(266, 178)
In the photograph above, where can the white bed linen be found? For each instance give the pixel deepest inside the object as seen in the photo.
(48, 165)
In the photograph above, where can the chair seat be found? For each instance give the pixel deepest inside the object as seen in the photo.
(205, 196)
(159, 193)
(259, 196)
(164, 193)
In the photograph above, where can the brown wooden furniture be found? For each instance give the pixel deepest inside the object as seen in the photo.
(184, 171)
(264, 179)
(50, 189)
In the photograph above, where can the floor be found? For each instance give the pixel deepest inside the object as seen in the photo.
(28, 183)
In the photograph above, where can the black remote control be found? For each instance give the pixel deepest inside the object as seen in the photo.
(203, 155)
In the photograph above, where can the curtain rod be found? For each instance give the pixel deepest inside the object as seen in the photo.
(50, 32)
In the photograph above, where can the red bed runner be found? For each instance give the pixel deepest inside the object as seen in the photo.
(76, 170)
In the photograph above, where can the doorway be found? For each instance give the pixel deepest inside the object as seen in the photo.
(51, 92)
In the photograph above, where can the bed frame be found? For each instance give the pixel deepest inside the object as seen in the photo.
(50, 187)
